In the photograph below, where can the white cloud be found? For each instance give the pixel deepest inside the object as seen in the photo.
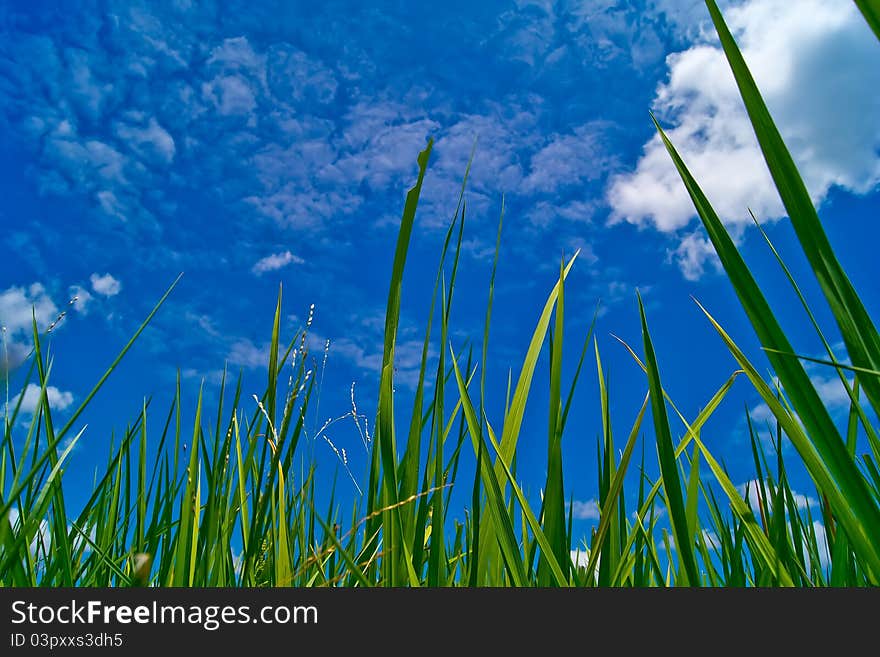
(80, 298)
(822, 544)
(580, 558)
(687, 17)
(238, 54)
(829, 388)
(30, 398)
(585, 510)
(752, 492)
(18, 305)
(831, 391)
(232, 95)
(806, 57)
(105, 285)
(692, 255)
(571, 159)
(151, 142)
(711, 539)
(292, 74)
(761, 413)
(42, 536)
(276, 261)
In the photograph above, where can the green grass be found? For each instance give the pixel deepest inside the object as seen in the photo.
(227, 503)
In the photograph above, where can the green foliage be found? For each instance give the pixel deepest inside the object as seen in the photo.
(225, 506)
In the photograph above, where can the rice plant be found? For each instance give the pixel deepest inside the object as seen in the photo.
(226, 503)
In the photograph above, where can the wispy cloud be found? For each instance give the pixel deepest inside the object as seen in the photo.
(105, 285)
(81, 298)
(693, 253)
(585, 510)
(276, 261)
(245, 353)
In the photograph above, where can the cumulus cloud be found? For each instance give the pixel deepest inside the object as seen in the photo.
(19, 304)
(805, 57)
(18, 307)
(160, 106)
(30, 398)
(686, 17)
(590, 35)
(105, 285)
(276, 261)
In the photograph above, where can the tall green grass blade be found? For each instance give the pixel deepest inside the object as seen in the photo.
(607, 516)
(838, 492)
(502, 524)
(554, 488)
(871, 11)
(384, 434)
(547, 552)
(858, 331)
(668, 464)
(820, 446)
(514, 416)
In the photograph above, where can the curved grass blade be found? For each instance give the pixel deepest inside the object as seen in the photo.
(821, 436)
(384, 433)
(502, 524)
(547, 552)
(607, 513)
(856, 328)
(838, 493)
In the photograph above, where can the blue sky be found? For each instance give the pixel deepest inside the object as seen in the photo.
(252, 144)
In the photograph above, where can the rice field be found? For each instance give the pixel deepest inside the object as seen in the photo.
(226, 502)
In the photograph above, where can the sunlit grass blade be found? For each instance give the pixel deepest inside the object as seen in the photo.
(832, 360)
(514, 416)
